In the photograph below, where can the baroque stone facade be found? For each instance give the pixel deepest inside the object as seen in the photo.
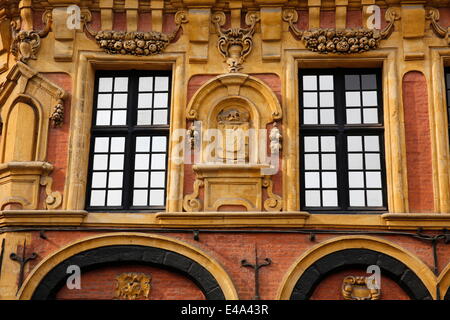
(199, 72)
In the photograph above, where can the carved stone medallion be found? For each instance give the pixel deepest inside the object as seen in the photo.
(133, 286)
(356, 288)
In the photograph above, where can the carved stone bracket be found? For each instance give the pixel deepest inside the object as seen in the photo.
(274, 201)
(235, 44)
(440, 31)
(54, 198)
(350, 40)
(135, 43)
(190, 201)
(26, 43)
(133, 286)
(356, 288)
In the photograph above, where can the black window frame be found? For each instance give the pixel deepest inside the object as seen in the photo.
(341, 130)
(130, 131)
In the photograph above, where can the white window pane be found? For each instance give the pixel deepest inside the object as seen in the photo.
(310, 116)
(115, 180)
(373, 179)
(326, 82)
(161, 84)
(326, 99)
(312, 198)
(369, 98)
(370, 115)
(354, 143)
(357, 198)
(311, 161)
(330, 198)
(371, 143)
(374, 198)
(160, 100)
(145, 100)
(156, 197)
(352, 99)
(121, 84)
(118, 144)
(355, 161)
(328, 161)
(103, 118)
(100, 162)
(159, 144)
(327, 116)
(119, 118)
(311, 144)
(160, 117)
(120, 101)
(142, 162)
(145, 83)
(309, 82)
(104, 101)
(142, 144)
(373, 161)
(144, 117)
(157, 180)
(114, 198)
(140, 197)
(356, 179)
(98, 198)
(101, 144)
(158, 161)
(329, 180)
(99, 180)
(312, 180)
(328, 144)
(310, 100)
(141, 179)
(116, 161)
(105, 84)
(353, 116)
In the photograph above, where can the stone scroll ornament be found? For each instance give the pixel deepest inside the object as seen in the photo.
(344, 41)
(440, 31)
(26, 43)
(235, 44)
(135, 43)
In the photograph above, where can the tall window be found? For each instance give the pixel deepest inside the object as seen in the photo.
(342, 145)
(129, 143)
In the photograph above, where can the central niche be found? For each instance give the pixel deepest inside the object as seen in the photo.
(232, 113)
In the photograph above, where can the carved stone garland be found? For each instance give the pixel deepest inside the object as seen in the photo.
(135, 43)
(235, 44)
(442, 32)
(350, 40)
(26, 43)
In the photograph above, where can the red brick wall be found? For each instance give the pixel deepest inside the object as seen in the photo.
(330, 287)
(354, 18)
(230, 249)
(444, 17)
(327, 19)
(101, 284)
(418, 142)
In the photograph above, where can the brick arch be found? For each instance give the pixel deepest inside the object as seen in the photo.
(357, 258)
(104, 256)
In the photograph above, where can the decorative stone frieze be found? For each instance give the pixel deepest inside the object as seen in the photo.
(137, 43)
(357, 288)
(350, 40)
(235, 44)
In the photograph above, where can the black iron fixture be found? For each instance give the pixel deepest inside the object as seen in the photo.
(22, 260)
(256, 268)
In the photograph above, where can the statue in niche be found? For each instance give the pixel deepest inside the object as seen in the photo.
(233, 126)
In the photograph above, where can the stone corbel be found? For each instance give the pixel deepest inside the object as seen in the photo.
(26, 43)
(274, 201)
(235, 44)
(344, 41)
(440, 31)
(135, 43)
(191, 203)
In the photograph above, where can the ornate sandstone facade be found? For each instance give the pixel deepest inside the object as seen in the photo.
(106, 111)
